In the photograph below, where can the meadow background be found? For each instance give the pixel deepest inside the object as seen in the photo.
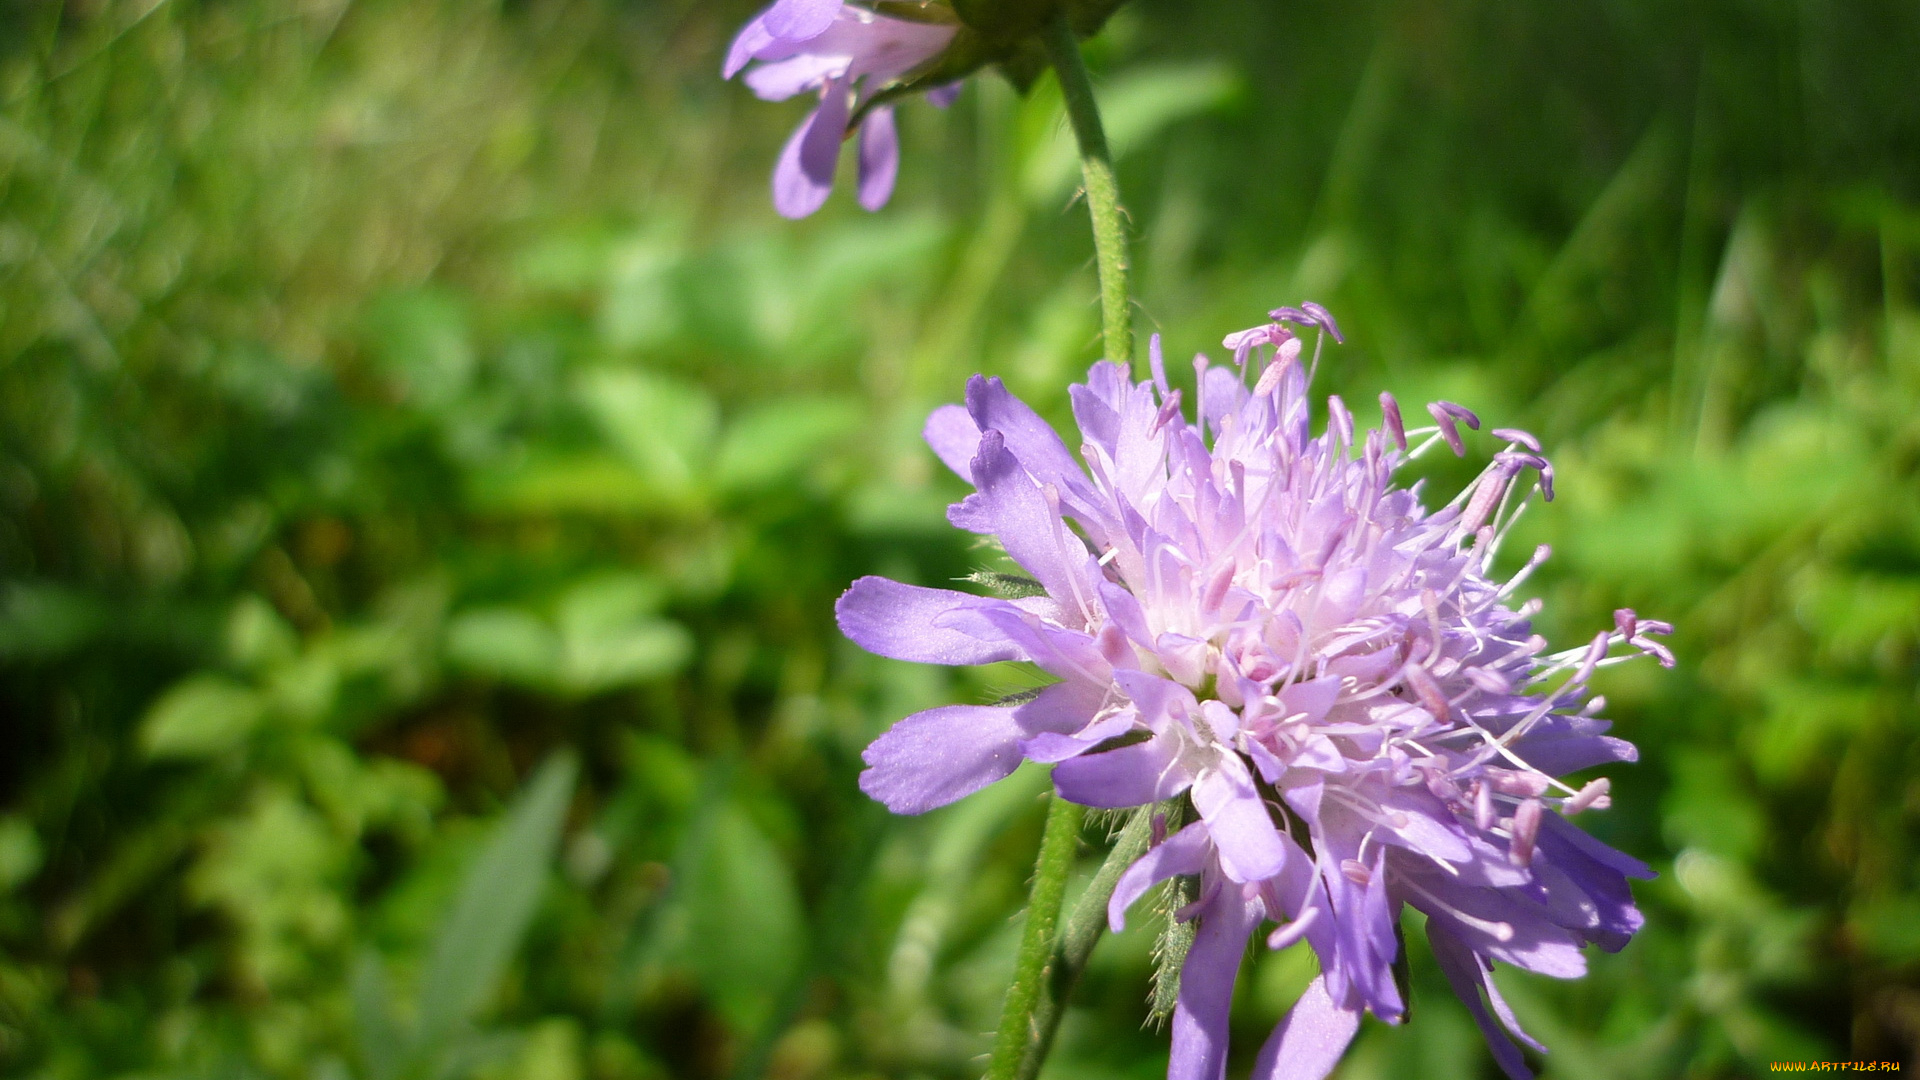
(427, 466)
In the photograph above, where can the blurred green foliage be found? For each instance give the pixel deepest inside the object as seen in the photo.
(427, 466)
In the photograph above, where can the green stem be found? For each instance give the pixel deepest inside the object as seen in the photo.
(1033, 973)
(1103, 191)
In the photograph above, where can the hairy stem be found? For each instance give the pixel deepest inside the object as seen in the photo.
(1103, 191)
(1034, 970)
(1077, 939)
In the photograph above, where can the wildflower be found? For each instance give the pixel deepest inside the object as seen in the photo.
(1253, 619)
(846, 53)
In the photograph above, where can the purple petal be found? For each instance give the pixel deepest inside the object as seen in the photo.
(954, 437)
(1185, 658)
(1012, 507)
(1185, 852)
(1061, 722)
(1366, 943)
(1124, 610)
(1063, 708)
(1052, 747)
(1130, 776)
(884, 48)
(779, 80)
(1159, 700)
(1206, 987)
(1028, 437)
(1577, 838)
(1308, 1041)
(1466, 976)
(896, 620)
(1500, 924)
(752, 38)
(1037, 446)
(1505, 1012)
(879, 158)
(932, 758)
(1250, 846)
(1068, 654)
(1297, 892)
(804, 177)
(943, 96)
(1312, 698)
(1271, 768)
(800, 20)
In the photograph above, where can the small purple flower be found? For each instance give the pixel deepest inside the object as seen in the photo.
(1252, 618)
(846, 53)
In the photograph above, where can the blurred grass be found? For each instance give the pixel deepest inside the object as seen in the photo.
(394, 394)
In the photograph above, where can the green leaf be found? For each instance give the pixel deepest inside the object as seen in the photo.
(551, 1050)
(257, 636)
(549, 482)
(607, 638)
(41, 620)
(638, 306)
(775, 441)
(275, 873)
(505, 643)
(601, 603)
(662, 769)
(645, 650)
(1889, 926)
(746, 925)
(1708, 807)
(201, 716)
(306, 688)
(664, 428)
(20, 852)
(374, 1025)
(495, 903)
(423, 338)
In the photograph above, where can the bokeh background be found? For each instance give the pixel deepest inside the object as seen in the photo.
(427, 466)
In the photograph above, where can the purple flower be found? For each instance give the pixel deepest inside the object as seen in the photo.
(846, 53)
(1253, 618)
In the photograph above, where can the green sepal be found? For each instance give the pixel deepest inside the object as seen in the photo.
(936, 12)
(1024, 63)
(1170, 949)
(1088, 16)
(1006, 20)
(1007, 586)
(1402, 973)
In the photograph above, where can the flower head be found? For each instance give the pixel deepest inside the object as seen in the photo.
(846, 53)
(1254, 619)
